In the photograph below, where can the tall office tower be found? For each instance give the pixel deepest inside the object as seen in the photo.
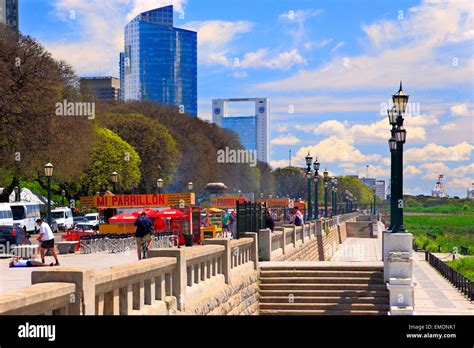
(159, 61)
(104, 88)
(9, 13)
(122, 76)
(253, 131)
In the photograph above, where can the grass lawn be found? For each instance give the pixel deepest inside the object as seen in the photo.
(465, 266)
(448, 232)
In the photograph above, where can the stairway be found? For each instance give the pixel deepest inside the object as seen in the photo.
(323, 290)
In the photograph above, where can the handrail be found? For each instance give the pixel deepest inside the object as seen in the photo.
(463, 284)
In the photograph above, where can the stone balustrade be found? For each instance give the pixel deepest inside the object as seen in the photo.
(38, 299)
(218, 277)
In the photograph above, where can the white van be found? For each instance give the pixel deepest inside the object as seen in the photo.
(63, 217)
(25, 215)
(93, 218)
(6, 216)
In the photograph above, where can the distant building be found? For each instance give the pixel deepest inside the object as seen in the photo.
(104, 88)
(159, 61)
(377, 185)
(470, 192)
(439, 190)
(253, 131)
(9, 13)
(380, 189)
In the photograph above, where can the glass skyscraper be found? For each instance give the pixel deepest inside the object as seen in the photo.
(159, 61)
(9, 13)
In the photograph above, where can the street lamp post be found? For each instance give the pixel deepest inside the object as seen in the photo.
(159, 184)
(309, 176)
(114, 177)
(398, 138)
(316, 181)
(17, 194)
(48, 172)
(63, 194)
(325, 175)
(190, 186)
(375, 206)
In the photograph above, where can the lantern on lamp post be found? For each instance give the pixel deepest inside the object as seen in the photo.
(316, 165)
(48, 172)
(309, 176)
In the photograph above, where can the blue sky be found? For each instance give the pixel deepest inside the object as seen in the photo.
(329, 68)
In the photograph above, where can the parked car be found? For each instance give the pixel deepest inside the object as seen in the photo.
(13, 235)
(79, 219)
(86, 227)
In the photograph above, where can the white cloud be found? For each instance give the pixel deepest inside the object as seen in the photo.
(410, 49)
(295, 22)
(316, 44)
(281, 127)
(448, 127)
(214, 38)
(462, 110)
(288, 139)
(338, 45)
(459, 184)
(434, 153)
(433, 170)
(411, 171)
(279, 163)
(261, 59)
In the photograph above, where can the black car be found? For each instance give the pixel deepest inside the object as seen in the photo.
(13, 235)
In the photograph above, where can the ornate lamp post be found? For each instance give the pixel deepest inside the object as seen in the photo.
(309, 176)
(159, 184)
(325, 175)
(48, 172)
(114, 178)
(190, 186)
(316, 180)
(398, 138)
(375, 204)
(17, 194)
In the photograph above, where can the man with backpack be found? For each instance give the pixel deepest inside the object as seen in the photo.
(143, 233)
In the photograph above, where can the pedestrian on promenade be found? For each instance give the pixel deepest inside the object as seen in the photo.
(297, 217)
(269, 222)
(143, 233)
(232, 223)
(46, 239)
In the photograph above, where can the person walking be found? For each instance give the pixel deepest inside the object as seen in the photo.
(232, 227)
(269, 222)
(46, 239)
(143, 233)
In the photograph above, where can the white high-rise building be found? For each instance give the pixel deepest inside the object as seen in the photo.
(253, 130)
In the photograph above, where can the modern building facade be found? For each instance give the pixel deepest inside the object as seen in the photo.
(9, 13)
(104, 88)
(253, 131)
(159, 61)
(377, 185)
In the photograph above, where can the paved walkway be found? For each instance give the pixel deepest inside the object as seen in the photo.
(434, 295)
(14, 278)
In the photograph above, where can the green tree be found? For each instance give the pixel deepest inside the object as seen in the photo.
(31, 135)
(153, 143)
(111, 153)
(290, 181)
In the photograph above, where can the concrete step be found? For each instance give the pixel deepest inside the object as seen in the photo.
(325, 273)
(285, 293)
(335, 268)
(322, 280)
(321, 312)
(324, 299)
(284, 286)
(325, 306)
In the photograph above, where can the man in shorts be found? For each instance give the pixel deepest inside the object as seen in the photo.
(46, 239)
(144, 231)
(17, 262)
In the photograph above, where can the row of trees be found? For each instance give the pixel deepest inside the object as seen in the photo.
(141, 140)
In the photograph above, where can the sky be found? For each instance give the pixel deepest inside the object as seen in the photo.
(329, 68)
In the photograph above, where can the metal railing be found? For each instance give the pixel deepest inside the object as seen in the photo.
(463, 284)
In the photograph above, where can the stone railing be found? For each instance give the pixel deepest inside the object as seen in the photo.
(38, 299)
(169, 280)
(132, 287)
(287, 239)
